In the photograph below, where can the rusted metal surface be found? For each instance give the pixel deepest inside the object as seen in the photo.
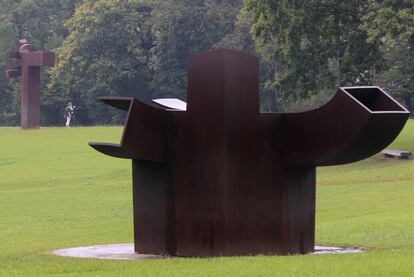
(222, 179)
(27, 63)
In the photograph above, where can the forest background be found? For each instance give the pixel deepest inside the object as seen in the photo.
(139, 48)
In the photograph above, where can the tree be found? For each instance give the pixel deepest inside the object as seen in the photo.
(399, 78)
(134, 48)
(315, 44)
(106, 53)
(392, 21)
(182, 28)
(38, 21)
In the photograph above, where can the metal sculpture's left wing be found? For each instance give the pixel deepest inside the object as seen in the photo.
(144, 135)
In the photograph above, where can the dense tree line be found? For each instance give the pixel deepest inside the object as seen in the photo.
(316, 45)
(140, 47)
(134, 48)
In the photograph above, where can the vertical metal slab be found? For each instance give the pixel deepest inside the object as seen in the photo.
(30, 97)
(226, 174)
(150, 198)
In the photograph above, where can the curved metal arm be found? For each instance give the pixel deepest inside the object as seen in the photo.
(357, 123)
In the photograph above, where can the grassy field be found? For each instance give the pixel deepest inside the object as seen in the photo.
(56, 192)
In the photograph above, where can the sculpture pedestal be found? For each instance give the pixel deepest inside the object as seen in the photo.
(268, 214)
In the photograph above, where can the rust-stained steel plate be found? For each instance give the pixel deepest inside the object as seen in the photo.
(222, 179)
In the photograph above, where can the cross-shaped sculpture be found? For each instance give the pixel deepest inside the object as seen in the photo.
(221, 178)
(27, 63)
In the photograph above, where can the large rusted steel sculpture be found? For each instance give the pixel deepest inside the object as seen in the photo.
(27, 63)
(221, 178)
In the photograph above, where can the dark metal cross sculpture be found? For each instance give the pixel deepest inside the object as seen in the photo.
(27, 63)
(223, 179)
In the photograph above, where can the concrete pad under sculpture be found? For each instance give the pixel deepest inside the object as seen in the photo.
(126, 252)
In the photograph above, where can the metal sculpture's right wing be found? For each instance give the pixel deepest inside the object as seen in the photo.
(357, 123)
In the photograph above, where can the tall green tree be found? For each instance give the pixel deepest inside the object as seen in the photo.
(136, 47)
(399, 78)
(38, 21)
(7, 105)
(392, 21)
(316, 44)
(241, 39)
(182, 28)
(106, 53)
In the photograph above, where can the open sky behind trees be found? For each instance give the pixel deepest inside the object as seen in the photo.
(140, 48)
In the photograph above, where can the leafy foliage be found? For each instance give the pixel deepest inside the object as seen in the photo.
(181, 28)
(315, 44)
(392, 21)
(140, 48)
(399, 78)
(106, 53)
(133, 48)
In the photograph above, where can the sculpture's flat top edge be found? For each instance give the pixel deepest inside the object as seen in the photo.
(171, 103)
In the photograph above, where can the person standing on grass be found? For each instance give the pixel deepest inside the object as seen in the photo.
(69, 110)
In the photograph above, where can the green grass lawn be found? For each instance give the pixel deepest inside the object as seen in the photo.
(56, 192)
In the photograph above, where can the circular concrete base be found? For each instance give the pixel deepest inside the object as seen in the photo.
(109, 252)
(334, 250)
(126, 252)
